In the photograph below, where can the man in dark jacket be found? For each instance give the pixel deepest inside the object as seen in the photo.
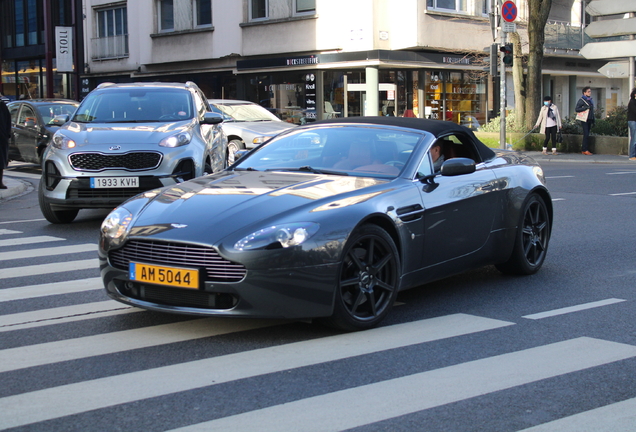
(631, 122)
(585, 103)
(5, 134)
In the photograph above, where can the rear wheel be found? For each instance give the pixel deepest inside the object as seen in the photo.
(532, 238)
(368, 280)
(54, 216)
(232, 147)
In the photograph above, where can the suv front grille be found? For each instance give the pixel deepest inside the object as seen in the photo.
(217, 268)
(133, 161)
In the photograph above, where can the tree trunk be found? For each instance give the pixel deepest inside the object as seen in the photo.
(537, 19)
(518, 80)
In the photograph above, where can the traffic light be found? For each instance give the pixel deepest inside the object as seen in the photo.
(507, 53)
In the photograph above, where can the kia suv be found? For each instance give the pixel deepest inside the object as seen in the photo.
(125, 139)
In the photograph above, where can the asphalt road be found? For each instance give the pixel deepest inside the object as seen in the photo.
(476, 352)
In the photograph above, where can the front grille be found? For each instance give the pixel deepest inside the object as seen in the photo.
(217, 269)
(132, 161)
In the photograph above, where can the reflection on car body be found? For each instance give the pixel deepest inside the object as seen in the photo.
(330, 221)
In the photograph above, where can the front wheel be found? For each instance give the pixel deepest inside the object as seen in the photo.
(531, 239)
(54, 216)
(232, 147)
(368, 280)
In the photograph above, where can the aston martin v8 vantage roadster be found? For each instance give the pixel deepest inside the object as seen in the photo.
(329, 220)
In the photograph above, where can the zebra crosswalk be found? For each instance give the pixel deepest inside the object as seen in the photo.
(207, 374)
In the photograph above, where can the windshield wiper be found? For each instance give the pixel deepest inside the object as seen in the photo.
(307, 168)
(245, 169)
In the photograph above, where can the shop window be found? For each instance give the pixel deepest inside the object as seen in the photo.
(456, 97)
(112, 31)
(451, 5)
(166, 15)
(305, 6)
(203, 13)
(258, 9)
(26, 22)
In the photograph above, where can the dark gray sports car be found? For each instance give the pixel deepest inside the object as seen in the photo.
(329, 220)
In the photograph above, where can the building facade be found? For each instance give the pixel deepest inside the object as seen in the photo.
(34, 36)
(314, 59)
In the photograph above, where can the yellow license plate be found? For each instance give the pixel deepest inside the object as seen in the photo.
(160, 275)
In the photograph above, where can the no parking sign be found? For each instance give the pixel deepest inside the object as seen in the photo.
(509, 11)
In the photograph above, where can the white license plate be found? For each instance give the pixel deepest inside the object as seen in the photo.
(114, 182)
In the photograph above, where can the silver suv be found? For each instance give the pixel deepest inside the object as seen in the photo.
(125, 139)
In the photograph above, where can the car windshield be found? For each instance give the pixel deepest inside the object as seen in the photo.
(135, 105)
(342, 150)
(243, 112)
(48, 112)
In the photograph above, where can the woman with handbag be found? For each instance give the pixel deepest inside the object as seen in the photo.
(550, 122)
(585, 114)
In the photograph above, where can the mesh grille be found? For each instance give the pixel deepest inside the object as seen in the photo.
(217, 268)
(133, 161)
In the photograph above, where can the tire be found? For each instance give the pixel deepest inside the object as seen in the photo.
(531, 239)
(368, 280)
(232, 147)
(207, 169)
(54, 216)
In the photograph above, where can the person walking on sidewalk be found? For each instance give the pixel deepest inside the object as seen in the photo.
(631, 122)
(5, 134)
(585, 103)
(550, 122)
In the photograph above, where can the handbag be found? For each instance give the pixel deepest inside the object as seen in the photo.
(582, 116)
(559, 138)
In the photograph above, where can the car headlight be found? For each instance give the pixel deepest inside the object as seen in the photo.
(177, 140)
(285, 235)
(260, 140)
(117, 223)
(538, 171)
(61, 141)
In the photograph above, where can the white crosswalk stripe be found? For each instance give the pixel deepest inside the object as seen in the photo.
(54, 251)
(359, 406)
(28, 240)
(89, 395)
(41, 269)
(53, 288)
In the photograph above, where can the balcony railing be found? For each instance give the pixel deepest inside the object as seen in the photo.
(563, 35)
(111, 47)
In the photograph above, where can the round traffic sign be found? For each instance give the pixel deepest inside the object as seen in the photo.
(509, 11)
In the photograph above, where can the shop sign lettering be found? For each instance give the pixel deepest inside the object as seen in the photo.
(64, 48)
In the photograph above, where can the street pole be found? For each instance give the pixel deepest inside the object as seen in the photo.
(502, 86)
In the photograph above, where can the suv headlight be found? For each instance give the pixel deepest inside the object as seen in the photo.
(61, 141)
(284, 235)
(177, 140)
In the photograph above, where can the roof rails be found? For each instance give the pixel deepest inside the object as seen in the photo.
(105, 84)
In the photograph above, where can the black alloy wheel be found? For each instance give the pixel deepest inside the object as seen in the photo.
(368, 280)
(531, 243)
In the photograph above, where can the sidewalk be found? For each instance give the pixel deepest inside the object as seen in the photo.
(14, 187)
(578, 157)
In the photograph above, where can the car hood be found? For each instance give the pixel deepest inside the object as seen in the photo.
(265, 128)
(209, 208)
(85, 134)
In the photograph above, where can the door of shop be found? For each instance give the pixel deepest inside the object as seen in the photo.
(355, 99)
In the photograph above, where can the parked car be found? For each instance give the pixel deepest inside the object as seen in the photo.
(247, 124)
(33, 124)
(129, 138)
(329, 220)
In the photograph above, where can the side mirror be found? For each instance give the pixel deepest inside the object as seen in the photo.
(59, 120)
(458, 166)
(212, 118)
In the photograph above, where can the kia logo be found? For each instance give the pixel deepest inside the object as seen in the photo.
(114, 148)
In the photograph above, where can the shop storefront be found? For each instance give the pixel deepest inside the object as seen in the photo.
(303, 89)
(26, 79)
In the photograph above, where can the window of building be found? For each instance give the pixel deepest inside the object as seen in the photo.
(112, 33)
(305, 6)
(451, 5)
(166, 15)
(258, 9)
(203, 13)
(26, 22)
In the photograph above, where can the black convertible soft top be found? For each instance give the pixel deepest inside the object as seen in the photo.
(435, 127)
